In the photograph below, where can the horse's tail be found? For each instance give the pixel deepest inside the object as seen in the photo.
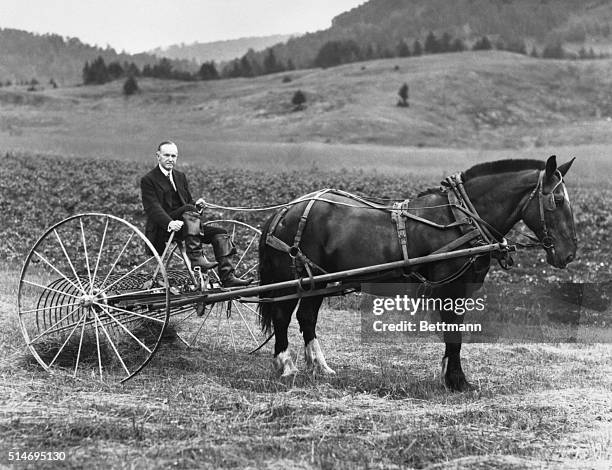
(266, 276)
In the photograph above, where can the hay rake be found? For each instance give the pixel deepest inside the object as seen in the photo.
(95, 298)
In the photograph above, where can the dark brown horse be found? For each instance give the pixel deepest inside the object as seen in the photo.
(340, 233)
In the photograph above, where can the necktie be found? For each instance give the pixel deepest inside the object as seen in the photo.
(171, 182)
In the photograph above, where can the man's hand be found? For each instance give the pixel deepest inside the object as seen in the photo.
(175, 225)
(200, 203)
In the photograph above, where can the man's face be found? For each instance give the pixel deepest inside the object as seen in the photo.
(167, 155)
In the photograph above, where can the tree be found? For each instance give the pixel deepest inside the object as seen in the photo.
(115, 70)
(417, 48)
(130, 86)
(445, 42)
(457, 46)
(432, 46)
(553, 51)
(403, 49)
(270, 64)
(246, 69)
(298, 100)
(334, 53)
(534, 52)
(96, 73)
(483, 44)
(403, 94)
(208, 71)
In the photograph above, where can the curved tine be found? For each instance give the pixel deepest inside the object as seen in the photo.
(99, 253)
(126, 330)
(251, 309)
(49, 308)
(127, 274)
(245, 322)
(86, 255)
(233, 232)
(78, 358)
(49, 289)
(218, 328)
(117, 260)
(98, 345)
(249, 270)
(69, 260)
(111, 342)
(129, 313)
(55, 324)
(191, 343)
(81, 288)
(245, 251)
(229, 323)
(65, 342)
(185, 318)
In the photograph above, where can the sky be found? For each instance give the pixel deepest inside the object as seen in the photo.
(141, 25)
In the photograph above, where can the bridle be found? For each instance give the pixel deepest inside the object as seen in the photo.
(547, 203)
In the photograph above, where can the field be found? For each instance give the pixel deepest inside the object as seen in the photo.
(80, 150)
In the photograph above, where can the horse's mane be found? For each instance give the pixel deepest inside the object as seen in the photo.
(492, 168)
(502, 166)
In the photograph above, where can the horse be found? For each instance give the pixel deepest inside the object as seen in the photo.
(337, 232)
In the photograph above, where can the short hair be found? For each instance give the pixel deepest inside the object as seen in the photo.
(165, 142)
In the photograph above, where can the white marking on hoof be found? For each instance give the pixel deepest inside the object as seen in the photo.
(315, 359)
(284, 364)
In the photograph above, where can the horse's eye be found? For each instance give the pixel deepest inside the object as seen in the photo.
(559, 200)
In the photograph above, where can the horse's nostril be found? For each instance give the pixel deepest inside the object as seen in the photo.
(570, 258)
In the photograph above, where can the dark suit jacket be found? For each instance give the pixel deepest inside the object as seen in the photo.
(158, 200)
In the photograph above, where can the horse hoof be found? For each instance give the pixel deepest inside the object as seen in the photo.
(289, 372)
(283, 363)
(458, 384)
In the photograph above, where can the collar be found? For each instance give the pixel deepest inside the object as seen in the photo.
(164, 171)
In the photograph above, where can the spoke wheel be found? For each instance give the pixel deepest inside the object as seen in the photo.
(94, 298)
(234, 324)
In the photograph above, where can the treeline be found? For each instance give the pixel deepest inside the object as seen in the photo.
(338, 52)
(331, 54)
(98, 72)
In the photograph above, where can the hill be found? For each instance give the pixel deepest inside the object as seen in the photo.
(470, 100)
(219, 51)
(25, 56)
(382, 24)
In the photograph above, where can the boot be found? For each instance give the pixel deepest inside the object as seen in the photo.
(224, 248)
(193, 244)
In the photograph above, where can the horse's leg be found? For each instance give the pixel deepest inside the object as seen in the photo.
(307, 315)
(282, 355)
(454, 378)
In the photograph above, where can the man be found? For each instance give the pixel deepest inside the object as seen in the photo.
(170, 208)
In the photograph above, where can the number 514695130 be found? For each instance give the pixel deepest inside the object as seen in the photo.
(25, 456)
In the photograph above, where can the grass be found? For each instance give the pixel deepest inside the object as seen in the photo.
(541, 405)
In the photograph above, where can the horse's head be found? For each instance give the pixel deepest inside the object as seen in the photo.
(548, 213)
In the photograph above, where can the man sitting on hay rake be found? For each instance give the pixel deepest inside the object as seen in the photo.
(170, 208)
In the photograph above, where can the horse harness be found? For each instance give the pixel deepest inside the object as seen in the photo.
(475, 231)
(547, 203)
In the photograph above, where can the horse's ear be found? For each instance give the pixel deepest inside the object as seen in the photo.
(566, 166)
(551, 166)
